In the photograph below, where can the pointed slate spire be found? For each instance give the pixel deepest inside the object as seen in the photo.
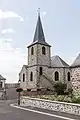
(39, 34)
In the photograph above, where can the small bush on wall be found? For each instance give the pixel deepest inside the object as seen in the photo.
(19, 90)
(60, 88)
(28, 89)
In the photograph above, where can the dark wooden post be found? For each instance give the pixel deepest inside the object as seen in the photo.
(19, 90)
(18, 98)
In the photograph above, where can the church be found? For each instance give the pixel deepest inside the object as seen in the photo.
(43, 70)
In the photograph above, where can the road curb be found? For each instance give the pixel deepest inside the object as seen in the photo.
(39, 112)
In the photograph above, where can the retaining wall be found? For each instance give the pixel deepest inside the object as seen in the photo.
(51, 105)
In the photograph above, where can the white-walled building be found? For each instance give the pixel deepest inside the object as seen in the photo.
(2, 82)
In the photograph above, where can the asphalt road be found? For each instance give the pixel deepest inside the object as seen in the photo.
(11, 93)
(11, 113)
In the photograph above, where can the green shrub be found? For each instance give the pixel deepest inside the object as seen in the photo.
(70, 90)
(60, 88)
(76, 100)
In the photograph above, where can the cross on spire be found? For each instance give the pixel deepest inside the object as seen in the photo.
(39, 34)
(38, 11)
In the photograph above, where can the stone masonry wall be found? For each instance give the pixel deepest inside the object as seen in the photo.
(43, 59)
(76, 81)
(51, 105)
(32, 84)
(23, 84)
(69, 83)
(50, 72)
(38, 57)
(32, 59)
(62, 74)
(43, 82)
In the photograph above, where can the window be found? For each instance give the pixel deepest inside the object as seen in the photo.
(68, 76)
(32, 51)
(40, 71)
(31, 76)
(0, 84)
(23, 77)
(43, 50)
(56, 76)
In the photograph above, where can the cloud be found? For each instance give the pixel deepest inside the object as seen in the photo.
(9, 30)
(11, 60)
(10, 14)
(5, 40)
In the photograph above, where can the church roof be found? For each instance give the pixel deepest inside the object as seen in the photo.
(76, 62)
(25, 66)
(56, 61)
(39, 34)
(2, 78)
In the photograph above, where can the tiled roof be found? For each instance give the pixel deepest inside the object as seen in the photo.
(39, 34)
(2, 78)
(56, 61)
(76, 62)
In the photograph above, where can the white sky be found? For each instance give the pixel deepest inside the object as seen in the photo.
(61, 24)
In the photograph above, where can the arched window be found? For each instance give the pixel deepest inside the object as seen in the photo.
(32, 51)
(56, 76)
(23, 77)
(31, 76)
(40, 71)
(43, 50)
(68, 76)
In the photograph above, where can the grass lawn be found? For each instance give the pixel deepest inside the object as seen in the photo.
(62, 98)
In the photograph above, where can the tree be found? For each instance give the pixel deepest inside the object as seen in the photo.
(59, 88)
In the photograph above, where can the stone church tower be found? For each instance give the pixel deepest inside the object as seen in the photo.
(39, 50)
(39, 60)
(42, 70)
(39, 56)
